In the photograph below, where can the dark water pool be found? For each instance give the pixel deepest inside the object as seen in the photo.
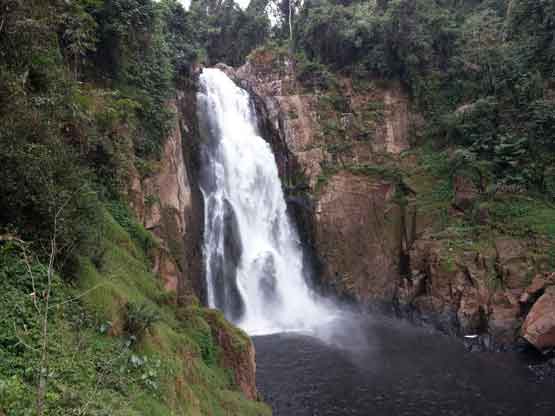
(385, 367)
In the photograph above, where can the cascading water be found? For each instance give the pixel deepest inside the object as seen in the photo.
(253, 256)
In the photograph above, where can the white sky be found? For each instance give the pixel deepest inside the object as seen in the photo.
(242, 3)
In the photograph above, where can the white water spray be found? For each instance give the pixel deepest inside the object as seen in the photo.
(253, 255)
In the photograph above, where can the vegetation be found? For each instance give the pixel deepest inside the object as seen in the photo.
(117, 347)
(481, 71)
(86, 327)
(84, 92)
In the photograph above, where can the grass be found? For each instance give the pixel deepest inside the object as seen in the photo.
(523, 215)
(177, 367)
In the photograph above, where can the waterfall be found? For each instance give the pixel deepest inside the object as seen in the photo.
(253, 254)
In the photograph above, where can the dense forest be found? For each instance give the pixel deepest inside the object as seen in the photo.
(84, 87)
(491, 60)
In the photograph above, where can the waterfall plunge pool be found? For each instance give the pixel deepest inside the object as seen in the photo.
(369, 366)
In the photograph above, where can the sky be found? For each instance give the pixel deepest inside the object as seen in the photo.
(242, 3)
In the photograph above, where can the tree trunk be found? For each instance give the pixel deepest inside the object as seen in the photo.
(291, 24)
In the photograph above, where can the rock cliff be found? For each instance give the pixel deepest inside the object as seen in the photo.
(163, 202)
(349, 155)
(168, 203)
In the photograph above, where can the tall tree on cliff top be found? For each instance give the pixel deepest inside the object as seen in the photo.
(228, 32)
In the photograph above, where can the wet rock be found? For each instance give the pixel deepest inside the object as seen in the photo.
(478, 343)
(478, 268)
(470, 313)
(265, 266)
(504, 317)
(411, 288)
(539, 326)
(454, 288)
(231, 300)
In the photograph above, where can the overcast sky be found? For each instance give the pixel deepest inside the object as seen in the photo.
(242, 3)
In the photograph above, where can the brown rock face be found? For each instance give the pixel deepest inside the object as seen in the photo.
(504, 317)
(357, 235)
(373, 245)
(539, 327)
(166, 204)
(470, 313)
(356, 223)
(171, 185)
(455, 295)
(512, 263)
(298, 117)
(169, 194)
(294, 117)
(396, 121)
(238, 353)
(165, 266)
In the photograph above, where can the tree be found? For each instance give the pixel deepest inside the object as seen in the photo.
(483, 46)
(78, 34)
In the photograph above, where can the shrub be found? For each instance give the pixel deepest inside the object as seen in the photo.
(123, 215)
(139, 318)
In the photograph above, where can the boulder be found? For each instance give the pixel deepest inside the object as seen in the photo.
(539, 326)
(537, 287)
